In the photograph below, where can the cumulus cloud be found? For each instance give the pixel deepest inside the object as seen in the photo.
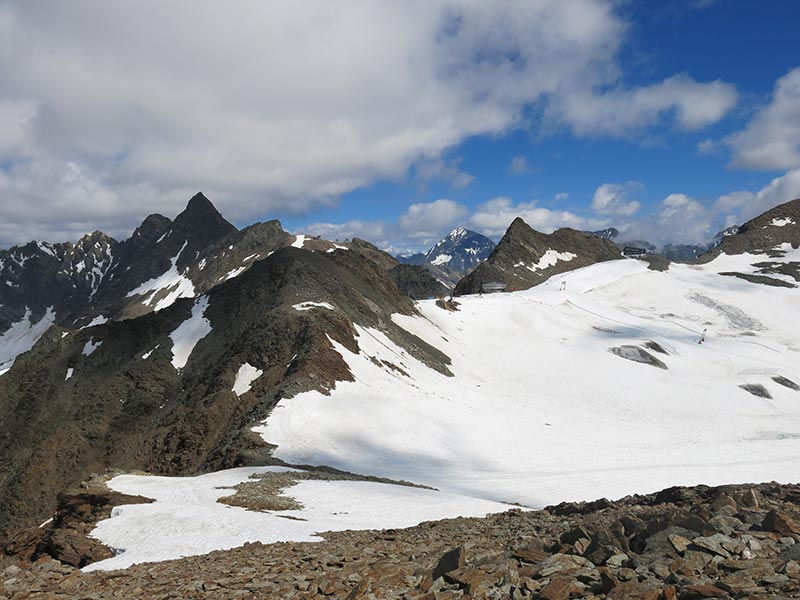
(682, 219)
(622, 112)
(493, 217)
(372, 231)
(276, 108)
(772, 139)
(443, 170)
(419, 226)
(613, 198)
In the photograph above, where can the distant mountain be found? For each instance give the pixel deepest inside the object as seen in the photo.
(609, 233)
(454, 256)
(526, 257)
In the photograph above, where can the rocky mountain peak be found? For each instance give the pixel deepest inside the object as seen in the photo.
(202, 222)
(525, 257)
(766, 233)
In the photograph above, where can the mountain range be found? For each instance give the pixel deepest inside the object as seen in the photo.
(193, 347)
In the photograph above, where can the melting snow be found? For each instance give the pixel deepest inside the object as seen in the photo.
(146, 355)
(90, 346)
(188, 333)
(98, 320)
(548, 259)
(22, 336)
(70, 371)
(782, 222)
(187, 520)
(299, 240)
(176, 284)
(245, 377)
(441, 259)
(310, 305)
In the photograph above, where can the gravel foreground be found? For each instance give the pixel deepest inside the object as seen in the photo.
(738, 541)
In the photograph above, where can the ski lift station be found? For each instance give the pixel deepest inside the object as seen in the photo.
(493, 287)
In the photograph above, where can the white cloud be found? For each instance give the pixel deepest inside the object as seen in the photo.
(685, 220)
(375, 232)
(277, 108)
(426, 221)
(493, 217)
(772, 139)
(612, 199)
(519, 166)
(419, 226)
(448, 171)
(621, 112)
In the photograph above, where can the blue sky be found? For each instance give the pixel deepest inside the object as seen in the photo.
(398, 121)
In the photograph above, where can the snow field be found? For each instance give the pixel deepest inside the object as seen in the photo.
(540, 412)
(187, 520)
(22, 336)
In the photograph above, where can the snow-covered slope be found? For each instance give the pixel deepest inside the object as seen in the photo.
(540, 410)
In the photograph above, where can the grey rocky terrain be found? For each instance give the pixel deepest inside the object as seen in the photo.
(739, 541)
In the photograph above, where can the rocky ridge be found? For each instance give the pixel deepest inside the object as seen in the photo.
(115, 396)
(525, 257)
(739, 541)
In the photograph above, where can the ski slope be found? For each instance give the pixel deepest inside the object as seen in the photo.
(539, 411)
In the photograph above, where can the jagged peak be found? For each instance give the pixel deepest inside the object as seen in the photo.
(458, 232)
(202, 221)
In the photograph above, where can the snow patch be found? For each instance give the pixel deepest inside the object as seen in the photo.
(70, 371)
(90, 346)
(147, 354)
(782, 222)
(441, 259)
(245, 377)
(98, 320)
(310, 305)
(188, 333)
(176, 284)
(22, 336)
(299, 240)
(187, 520)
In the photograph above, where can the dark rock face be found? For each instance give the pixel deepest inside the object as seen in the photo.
(525, 257)
(97, 275)
(66, 536)
(63, 277)
(725, 542)
(637, 354)
(417, 282)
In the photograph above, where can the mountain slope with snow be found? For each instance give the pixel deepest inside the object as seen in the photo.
(540, 408)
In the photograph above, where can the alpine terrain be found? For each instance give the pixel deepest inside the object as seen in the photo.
(196, 388)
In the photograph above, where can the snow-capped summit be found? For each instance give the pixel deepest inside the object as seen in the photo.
(455, 255)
